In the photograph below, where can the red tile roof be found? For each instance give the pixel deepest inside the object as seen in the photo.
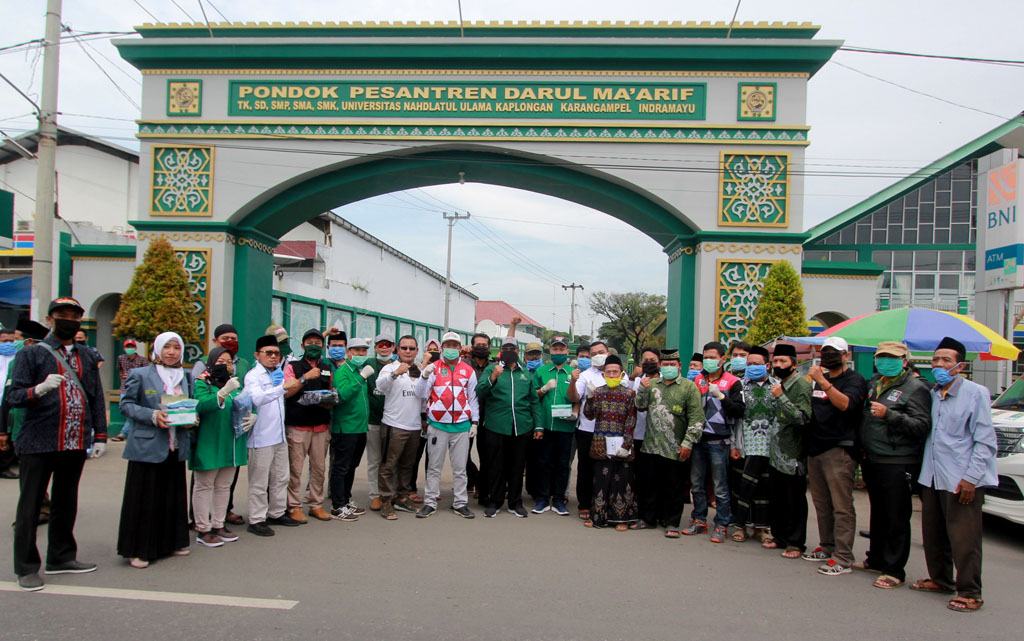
(300, 248)
(501, 313)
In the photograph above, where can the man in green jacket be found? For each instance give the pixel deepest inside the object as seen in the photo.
(554, 462)
(788, 457)
(349, 421)
(897, 420)
(508, 393)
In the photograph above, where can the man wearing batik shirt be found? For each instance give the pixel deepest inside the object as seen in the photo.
(58, 384)
(674, 423)
(759, 427)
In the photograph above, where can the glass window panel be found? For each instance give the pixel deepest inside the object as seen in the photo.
(941, 236)
(943, 182)
(951, 261)
(421, 337)
(277, 311)
(863, 234)
(924, 234)
(884, 282)
(910, 219)
(961, 213)
(815, 255)
(903, 260)
(434, 333)
(847, 256)
(969, 257)
(942, 198)
(924, 286)
(896, 211)
(388, 326)
(340, 318)
(878, 237)
(847, 236)
(949, 285)
(303, 316)
(910, 236)
(366, 326)
(962, 171)
(901, 282)
(404, 329)
(882, 259)
(895, 233)
(960, 234)
(962, 190)
(926, 260)
(878, 220)
(833, 239)
(911, 199)
(974, 236)
(942, 216)
(927, 192)
(967, 285)
(927, 212)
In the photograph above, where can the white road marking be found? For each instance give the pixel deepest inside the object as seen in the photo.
(166, 597)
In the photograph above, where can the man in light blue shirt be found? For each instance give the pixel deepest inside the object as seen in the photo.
(959, 462)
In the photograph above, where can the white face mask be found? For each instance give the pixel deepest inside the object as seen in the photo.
(598, 360)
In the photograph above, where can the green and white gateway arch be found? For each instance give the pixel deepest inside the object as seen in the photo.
(692, 133)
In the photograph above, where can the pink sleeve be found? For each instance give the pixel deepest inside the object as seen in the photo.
(289, 373)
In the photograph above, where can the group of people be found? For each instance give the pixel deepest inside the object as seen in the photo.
(740, 430)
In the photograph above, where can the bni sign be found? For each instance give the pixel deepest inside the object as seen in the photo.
(1004, 236)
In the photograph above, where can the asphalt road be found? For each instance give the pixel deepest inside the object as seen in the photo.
(545, 577)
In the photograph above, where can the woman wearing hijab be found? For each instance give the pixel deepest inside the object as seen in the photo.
(217, 453)
(154, 512)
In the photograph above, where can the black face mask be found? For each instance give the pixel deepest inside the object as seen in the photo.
(219, 374)
(650, 368)
(481, 352)
(831, 360)
(782, 372)
(414, 371)
(508, 358)
(65, 328)
(434, 355)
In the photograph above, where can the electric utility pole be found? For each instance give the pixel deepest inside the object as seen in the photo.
(452, 219)
(572, 309)
(42, 254)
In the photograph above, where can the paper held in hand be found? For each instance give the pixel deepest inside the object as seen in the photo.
(613, 447)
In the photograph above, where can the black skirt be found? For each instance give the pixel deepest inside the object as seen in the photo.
(154, 512)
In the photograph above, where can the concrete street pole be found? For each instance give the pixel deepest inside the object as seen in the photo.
(572, 310)
(42, 255)
(451, 218)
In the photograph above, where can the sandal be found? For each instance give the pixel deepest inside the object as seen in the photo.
(671, 534)
(621, 527)
(740, 535)
(887, 582)
(588, 523)
(769, 543)
(139, 563)
(584, 515)
(965, 604)
(234, 519)
(864, 567)
(791, 553)
(927, 585)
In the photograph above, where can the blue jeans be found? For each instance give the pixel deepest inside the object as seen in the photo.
(717, 454)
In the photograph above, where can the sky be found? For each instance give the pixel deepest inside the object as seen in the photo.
(867, 132)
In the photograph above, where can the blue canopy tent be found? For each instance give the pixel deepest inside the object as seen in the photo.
(16, 292)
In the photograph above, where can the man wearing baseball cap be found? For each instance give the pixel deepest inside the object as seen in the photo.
(554, 462)
(897, 419)
(837, 400)
(384, 348)
(58, 384)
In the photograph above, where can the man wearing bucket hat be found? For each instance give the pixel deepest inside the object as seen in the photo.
(837, 401)
(58, 384)
(897, 419)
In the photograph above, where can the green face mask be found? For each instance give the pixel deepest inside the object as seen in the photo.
(559, 359)
(712, 365)
(313, 352)
(286, 350)
(889, 366)
(358, 361)
(19, 344)
(129, 351)
(450, 353)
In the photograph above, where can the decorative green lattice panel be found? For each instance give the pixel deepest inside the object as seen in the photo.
(182, 181)
(738, 290)
(754, 190)
(197, 265)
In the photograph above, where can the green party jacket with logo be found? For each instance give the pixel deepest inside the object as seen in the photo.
(897, 437)
(511, 402)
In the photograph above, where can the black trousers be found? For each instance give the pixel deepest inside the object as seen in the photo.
(788, 509)
(554, 465)
(534, 453)
(584, 470)
(8, 458)
(348, 451)
(472, 471)
(421, 449)
(504, 459)
(36, 470)
(666, 490)
(889, 492)
(952, 539)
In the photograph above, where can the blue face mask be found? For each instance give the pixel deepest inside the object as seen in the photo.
(756, 372)
(8, 349)
(533, 365)
(336, 353)
(692, 373)
(738, 363)
(943, 376)
(583, 362)
(277, 376)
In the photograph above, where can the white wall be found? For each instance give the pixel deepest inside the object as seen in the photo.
(848, 296)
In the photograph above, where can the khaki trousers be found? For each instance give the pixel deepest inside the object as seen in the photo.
(302, 444)
(268, 482)
(830, 476)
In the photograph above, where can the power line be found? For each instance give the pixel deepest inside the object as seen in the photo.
(524, 257)
(504, 253)
(112, 63)
(890, 52)
(218, 11)
(109, 77)
(147, 11)
(175, 3)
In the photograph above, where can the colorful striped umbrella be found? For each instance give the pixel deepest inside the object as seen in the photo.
(921, 330)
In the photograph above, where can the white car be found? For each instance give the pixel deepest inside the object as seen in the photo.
(1007, 500)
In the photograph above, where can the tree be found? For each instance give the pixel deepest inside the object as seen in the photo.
(632, 319)
(159, 299)
(780, 310)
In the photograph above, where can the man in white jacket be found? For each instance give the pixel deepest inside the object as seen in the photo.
(268, 450)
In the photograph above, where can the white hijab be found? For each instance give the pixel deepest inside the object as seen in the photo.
(171, 376)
